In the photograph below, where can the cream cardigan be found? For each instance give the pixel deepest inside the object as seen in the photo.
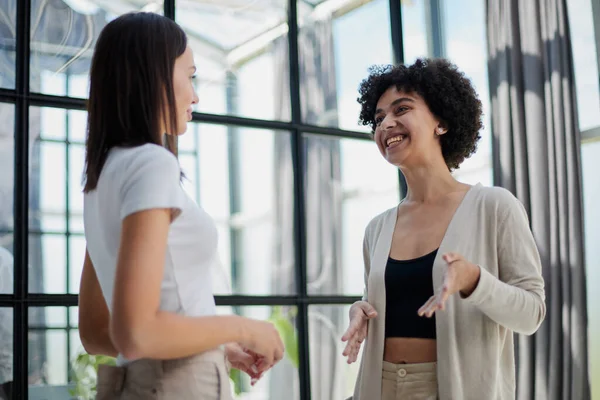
(475, 353)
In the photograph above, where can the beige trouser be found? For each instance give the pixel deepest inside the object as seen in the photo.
(203, 376)
(409, 381)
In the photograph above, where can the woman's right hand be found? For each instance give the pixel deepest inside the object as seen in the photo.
(360, 313)
(261, 338)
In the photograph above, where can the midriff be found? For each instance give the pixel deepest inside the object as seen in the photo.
(410, 350)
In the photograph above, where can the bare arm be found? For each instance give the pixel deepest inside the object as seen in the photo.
(140, 330)
(93, 313)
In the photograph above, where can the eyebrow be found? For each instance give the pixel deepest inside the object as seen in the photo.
(396, 102)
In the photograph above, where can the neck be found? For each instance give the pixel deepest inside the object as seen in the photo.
(428, 183)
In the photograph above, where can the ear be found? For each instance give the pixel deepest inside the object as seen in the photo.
(441, 129)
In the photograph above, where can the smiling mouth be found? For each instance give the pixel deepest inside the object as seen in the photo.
(395, 139)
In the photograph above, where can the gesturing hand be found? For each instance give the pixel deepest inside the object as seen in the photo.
(246, 361)
(460, 275)
(360, 313)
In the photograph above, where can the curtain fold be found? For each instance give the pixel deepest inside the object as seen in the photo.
(536, 151)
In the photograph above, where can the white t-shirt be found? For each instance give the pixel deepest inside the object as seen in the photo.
(142, 178)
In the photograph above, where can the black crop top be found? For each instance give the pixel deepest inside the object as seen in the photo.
(408, 286)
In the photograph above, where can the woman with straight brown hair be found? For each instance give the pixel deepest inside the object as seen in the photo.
(146, 294)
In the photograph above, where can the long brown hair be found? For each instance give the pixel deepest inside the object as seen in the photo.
(131, 87)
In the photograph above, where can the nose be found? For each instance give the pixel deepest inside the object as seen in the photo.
(388, 122)
(195, 99)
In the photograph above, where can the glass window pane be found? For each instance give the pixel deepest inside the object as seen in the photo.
(7, 154)
(331, 68)
(414, 30)
(282, 381)
(47, 186)
(75, 206)
(77, 122)
(53, 348)
(466, 46)
(47, 169)
(76, 257)
(8, 44)
(6, 263)
(342, 196)
(331, 376)
(47, 317)
(48, 123)
(48, 263)
(6, 352)
(591, 198)
(240, 50)
(243, 178)
(74, 317)
(56, 201)
(63, 35)
(585, 62)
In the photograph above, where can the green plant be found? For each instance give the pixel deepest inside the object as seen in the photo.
(85, 374)
(286, 330)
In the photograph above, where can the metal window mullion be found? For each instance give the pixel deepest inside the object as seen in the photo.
(70, 300)
(297, 148)
(21, 202)
(169, 9)
(8, 96)
(52, 300)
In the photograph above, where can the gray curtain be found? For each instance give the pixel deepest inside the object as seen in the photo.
(323, 198)
(536, 150)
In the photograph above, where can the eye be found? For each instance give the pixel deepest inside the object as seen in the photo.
(378, 120)
(401, 109)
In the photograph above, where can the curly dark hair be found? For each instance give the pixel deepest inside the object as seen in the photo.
(447, 92)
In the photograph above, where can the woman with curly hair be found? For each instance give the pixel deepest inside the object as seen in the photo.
(453, 270)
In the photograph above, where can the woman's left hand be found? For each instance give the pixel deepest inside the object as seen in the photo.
(246, 361)
(460, 275)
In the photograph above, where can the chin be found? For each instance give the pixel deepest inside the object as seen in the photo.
(395, 159)
(182, 128)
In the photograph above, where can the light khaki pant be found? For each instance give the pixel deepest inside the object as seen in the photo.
(203, 376)
(409, 381)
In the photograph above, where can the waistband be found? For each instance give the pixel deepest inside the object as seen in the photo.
(410, 368)
(422, 372)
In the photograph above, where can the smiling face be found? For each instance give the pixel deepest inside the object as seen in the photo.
(406, 132)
